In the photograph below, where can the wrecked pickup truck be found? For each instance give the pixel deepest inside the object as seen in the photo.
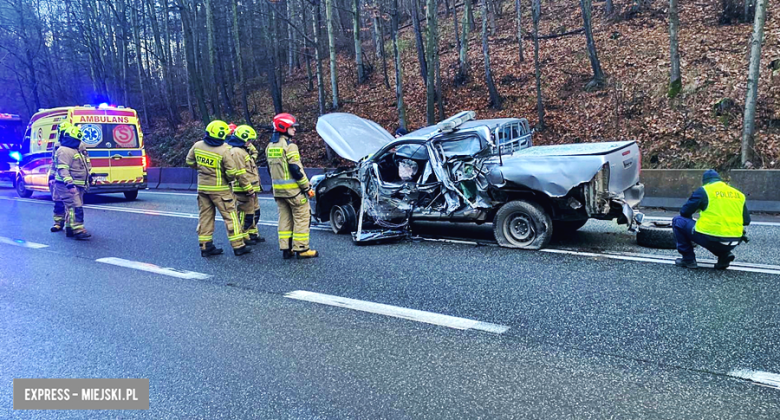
(466, 170)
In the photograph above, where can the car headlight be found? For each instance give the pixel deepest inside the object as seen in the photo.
(315, 180)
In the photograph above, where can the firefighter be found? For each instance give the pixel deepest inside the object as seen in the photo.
(71, 181)
(59, 206)
(291, 189)
(721, 224)
(214, 162)
(247, 200)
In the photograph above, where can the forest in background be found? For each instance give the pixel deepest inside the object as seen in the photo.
(180, 62)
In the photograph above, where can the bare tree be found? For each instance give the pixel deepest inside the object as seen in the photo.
(334, 73)
(598, 74)
(399, 84)
(419, 40)
(675, 82)
(536, 12)
(361, 75)
(748, 130)
(463, 59)
(433, 41)
(495, 98)
(519, 11)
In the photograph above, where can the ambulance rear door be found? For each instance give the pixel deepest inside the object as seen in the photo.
(115, 149)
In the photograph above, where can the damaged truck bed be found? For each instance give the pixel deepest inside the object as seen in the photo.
(466, 170)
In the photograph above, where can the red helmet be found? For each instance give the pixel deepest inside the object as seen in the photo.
(284, 121)
(232, 128)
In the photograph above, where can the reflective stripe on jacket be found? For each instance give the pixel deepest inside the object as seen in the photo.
(215, 166)
(282, 156)
(723, 216)
(246, 171)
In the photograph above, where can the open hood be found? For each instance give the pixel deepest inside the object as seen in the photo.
(352, 137)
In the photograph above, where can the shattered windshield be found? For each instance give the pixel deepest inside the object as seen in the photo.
(466, 146)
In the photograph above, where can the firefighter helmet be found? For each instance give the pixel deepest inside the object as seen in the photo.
(74, 132)
(284, 121)
(217, 129)
(245, 132)
(63, 127)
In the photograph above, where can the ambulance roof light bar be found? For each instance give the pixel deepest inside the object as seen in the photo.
(450, 124)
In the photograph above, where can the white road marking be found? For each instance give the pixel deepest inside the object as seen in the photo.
(397, 312)
(764, 378)
(173, 272)
(669, 219)
(659, 259)
(22, 243)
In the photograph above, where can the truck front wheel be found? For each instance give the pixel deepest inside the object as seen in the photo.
(522, 224)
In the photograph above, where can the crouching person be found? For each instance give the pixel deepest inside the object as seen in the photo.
(721, 224)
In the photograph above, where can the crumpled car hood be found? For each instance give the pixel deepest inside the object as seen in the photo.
(352, 137)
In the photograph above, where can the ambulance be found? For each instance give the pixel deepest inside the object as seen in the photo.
(113, 137)
(11, 131)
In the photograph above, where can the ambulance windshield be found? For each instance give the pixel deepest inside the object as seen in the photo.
(109, 136)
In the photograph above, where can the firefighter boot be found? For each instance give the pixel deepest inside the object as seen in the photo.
(250, 241)
(57, 227)
(309, 253)
(255, 237)
(287, 254)
(241, 251)
(209, 249)
(69, 232)
(82, 235)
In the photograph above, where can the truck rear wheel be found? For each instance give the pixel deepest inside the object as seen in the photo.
(21, 188)
(522, 224)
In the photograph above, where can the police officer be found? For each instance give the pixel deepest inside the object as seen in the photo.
(71, 181)
(291, 189)
(721, 223)
(245, 165)
(214, 162)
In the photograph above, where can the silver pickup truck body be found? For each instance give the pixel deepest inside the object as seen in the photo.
(466, 170)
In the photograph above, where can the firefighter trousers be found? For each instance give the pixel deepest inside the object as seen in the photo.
(247, 204)
(59, 206)
(226, 205)
(294, 222)
(73, 204)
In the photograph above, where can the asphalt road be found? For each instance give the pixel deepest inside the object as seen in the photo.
(597, 327)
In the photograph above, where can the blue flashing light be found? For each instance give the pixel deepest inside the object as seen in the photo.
(16, 156)
(103, 106)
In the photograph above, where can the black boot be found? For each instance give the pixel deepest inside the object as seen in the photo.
(209, 249)
(724, 261)
(56, 228)
(287, 254)
(257, 238)
(250, 241)
(69, 232)
(685, 263)
(241, 251)
(82, 235)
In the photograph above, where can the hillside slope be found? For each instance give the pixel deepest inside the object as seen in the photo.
(683, 133)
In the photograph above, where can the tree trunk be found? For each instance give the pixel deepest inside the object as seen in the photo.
(495, 98)
(609, 8)
(519, 10)
(490, 10)
(399, 84)
(306, 49)
(318, 57)
(139, 64)
(189, 49)
(275, 70)
(536, 12)
(169, 82)
(748, 132)
(361, 75)
(470, 8)
(419, 40)
(675, 82)
(240, 63)
(455, 26)
(212, 51)
(379, 40)
(463, 57)
(430, 83)
(598, 74)
(334, 73)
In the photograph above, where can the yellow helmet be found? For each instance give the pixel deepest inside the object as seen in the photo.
(245, 132)
(74, 132)
(63, 127)
(218, 129)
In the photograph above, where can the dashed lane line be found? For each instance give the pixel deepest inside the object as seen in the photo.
(151, 268)
(397, 312)
(768, 379)
(21, 243)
